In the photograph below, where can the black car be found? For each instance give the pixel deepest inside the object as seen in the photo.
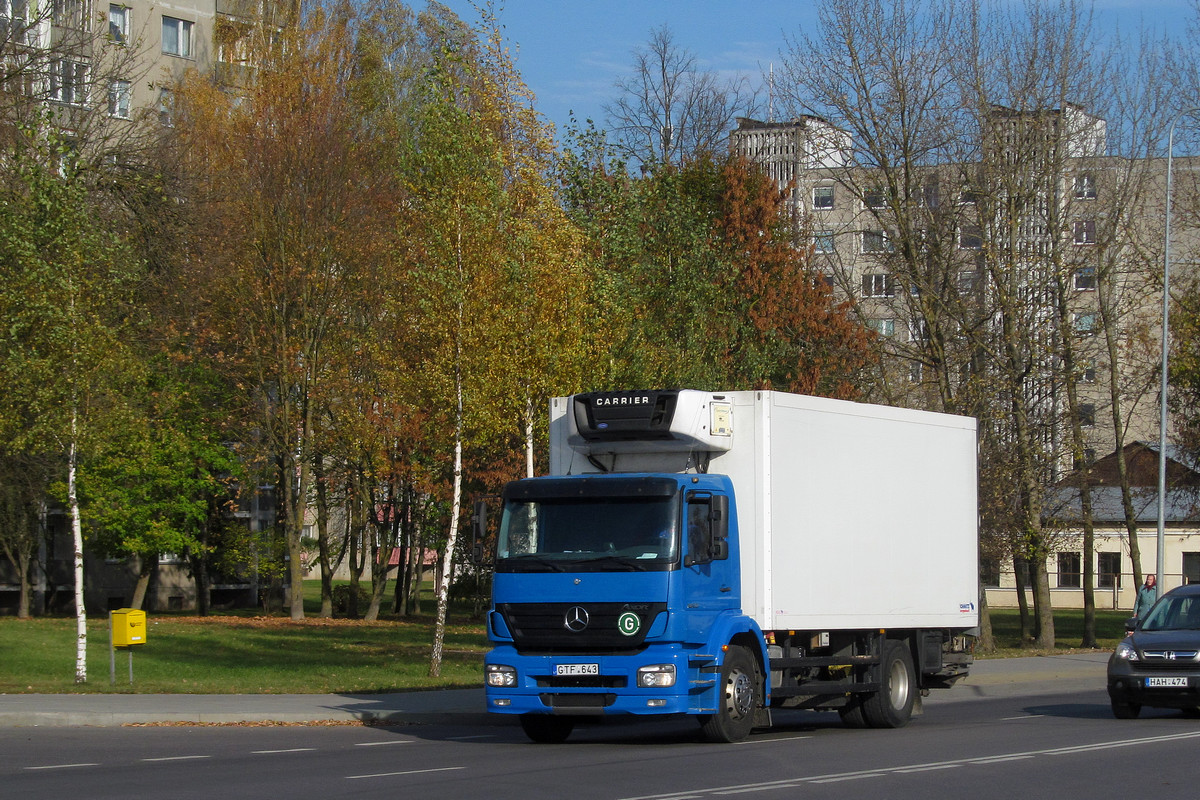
(1158, 663)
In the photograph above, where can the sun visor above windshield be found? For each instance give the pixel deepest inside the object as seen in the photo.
(677, 420)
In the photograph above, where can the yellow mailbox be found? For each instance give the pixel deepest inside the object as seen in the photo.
(128, 627)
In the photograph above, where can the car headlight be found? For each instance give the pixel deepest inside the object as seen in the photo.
(656, 676)
(1126, 651)
(499, 676)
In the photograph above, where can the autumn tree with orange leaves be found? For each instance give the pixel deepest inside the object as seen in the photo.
(293, 211)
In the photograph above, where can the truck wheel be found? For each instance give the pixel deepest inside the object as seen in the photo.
(891, 706)
(1126, 710)
(739, 695)
(852, 715)
(547, 729)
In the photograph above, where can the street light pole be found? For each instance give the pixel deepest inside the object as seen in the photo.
(1162, 396)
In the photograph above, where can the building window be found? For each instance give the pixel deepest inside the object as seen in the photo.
(875, 198)
(1085, 231)
(823, 242)
(930, 195)
(970, 237)
(883, 327)
(822, 197)
(918, 331)
(118, 98)
(1191, 567)
(14, 20)
(1085, 278)
(1108, 576)
(968, 281)
(876, 242)
(1085, 324)
(166, 108)
(916, 371)
(1087, 415)
(68, 82)
(878, 285)
(118, 23)
(1069, 576)
(1087, 371)
(70, 13)
(176, 37)
(1085, 187)
(968, 197)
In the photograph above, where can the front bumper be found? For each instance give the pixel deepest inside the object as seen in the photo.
(1135, 687)
(613, 690)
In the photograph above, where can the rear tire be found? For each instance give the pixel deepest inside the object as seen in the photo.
(1126, 710)
(892, 705)
(852, 715)
(739, 695)
(547, 729)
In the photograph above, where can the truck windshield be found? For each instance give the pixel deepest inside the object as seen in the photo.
(581, 534)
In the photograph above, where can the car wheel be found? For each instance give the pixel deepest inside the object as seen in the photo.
(1125, 710)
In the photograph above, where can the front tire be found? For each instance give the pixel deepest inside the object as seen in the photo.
(892, 705)
(547, 729)
(739, 695)
(1125, 710)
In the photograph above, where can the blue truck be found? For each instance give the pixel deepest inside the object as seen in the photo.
(722, 554)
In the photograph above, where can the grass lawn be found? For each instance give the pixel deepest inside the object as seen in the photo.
(245, 653)
(251, 653)
(1068, 630)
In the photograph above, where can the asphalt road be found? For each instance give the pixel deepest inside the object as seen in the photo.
(1014, 744)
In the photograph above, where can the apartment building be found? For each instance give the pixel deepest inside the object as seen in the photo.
(1042, 225)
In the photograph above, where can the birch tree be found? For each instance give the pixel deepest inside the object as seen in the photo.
(65, 354)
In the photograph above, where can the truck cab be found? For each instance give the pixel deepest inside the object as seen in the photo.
(607, 592)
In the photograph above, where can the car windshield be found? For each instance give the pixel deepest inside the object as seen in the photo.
(588, 534)
(1174, 613)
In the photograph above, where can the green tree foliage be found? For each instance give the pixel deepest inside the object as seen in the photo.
(67, 323)
(699, 280)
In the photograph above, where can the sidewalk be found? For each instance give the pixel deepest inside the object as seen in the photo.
(989, 678)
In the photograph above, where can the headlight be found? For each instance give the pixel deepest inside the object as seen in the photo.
(656, 676)
(1127, 651)
(499, 675)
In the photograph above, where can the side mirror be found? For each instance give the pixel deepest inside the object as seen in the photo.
(1130, 624)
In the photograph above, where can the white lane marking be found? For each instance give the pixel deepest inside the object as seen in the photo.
(377, 744)
(770, 741)
(840, 778)
(1023, 716)
(980, 761)
(62, 766)
(177, 758)
(408, 772)
(290, 750)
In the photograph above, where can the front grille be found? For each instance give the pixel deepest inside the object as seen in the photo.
(1174, 660)
(541, 627)
(583, 682)
(578, 701)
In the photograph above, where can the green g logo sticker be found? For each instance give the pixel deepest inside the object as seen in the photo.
(629, 623)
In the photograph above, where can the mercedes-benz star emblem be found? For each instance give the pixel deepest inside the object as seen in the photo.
(576, 619)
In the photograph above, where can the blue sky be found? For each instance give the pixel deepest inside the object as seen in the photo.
(571, 51)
